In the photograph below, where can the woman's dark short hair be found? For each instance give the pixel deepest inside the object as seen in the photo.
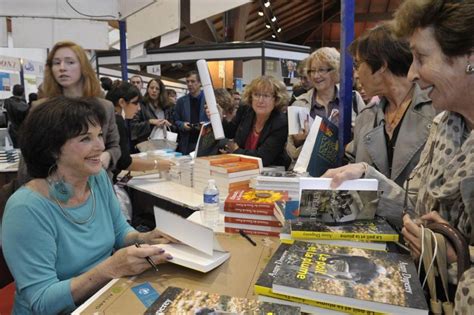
(452, 22)
(378, 46)
(124, 90)
(49, 125)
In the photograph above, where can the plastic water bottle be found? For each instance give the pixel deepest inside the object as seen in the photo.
(210, 211)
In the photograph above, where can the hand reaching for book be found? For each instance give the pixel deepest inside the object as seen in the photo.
(347, 172)
(300, 137)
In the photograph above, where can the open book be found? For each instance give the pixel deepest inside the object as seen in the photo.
(199, 249)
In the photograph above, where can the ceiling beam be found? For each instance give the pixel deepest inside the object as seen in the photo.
(238, 19)
(329, 14)
(199, 31)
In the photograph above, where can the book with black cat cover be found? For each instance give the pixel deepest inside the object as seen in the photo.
(186, 301)
(352, 277)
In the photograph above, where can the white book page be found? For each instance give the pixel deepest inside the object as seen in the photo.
(190, 233)
(301, 165)
(320, 183)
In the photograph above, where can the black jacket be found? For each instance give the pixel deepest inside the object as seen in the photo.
(17, 109)
(271, 144)
(141, 128)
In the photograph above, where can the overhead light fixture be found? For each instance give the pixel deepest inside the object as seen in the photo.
(267, 4)
(267, 26)
(273, 35)
(260, 13)
(274, 19)
(279, 30)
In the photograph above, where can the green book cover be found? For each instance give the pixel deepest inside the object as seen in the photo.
(186, 301)
(376, 230)
(353, 277)
(263, 285)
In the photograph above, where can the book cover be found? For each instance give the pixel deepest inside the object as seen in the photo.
(254, 199)
(286, 210)
(252, 221)
(251, 232)
(186, 301)
(285, 237)
(232, 167)
(370, 280)
(263, 285)
(376, 230)
(320, 149)
(250, 216)
(265, 228)
(216, 159)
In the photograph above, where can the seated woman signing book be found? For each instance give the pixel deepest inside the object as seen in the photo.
(63, 234)
(260, 128)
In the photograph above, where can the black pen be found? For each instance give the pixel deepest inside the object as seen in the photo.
(247, 237)
(148, 259)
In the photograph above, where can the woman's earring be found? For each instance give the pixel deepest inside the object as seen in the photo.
(469, 69)
(60, 190)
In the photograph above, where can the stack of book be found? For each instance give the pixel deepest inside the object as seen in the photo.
(231, 172)
(182, 171)
(280, 180)
(367, 234)
(252, 210)
(9, 156)
(341, 279)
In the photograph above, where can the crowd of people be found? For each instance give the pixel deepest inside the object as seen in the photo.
(413, 123)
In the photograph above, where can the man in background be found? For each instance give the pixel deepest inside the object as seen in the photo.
(304, 85)
(190, 113)
(17, 109)
(137, 81)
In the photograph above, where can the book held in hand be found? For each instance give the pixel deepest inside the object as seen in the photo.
(353, 277)
(318, 201)
(186, 301)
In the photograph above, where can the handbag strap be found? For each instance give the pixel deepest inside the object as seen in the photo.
(457, 240)
(441, 260)
(435, 304)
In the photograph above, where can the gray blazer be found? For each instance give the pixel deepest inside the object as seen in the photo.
(369, 143)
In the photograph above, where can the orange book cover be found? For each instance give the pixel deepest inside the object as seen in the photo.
(233, 167)
(254, 199)
(217, 159)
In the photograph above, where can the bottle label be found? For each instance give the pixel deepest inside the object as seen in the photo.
(211, 198)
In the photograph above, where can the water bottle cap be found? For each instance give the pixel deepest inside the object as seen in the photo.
(211, 181)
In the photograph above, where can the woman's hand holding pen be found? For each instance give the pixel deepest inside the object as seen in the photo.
(412, 234)
(132, 260)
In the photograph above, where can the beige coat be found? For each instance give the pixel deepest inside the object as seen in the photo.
(369, 143)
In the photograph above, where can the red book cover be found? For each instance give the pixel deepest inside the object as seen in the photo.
(254, 199)
(217, 159)
(252, 222)
(252, 232)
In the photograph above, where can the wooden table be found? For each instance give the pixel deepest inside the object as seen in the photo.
(235, 277)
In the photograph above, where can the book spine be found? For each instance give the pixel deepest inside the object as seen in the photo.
(252, 222)
(251, 205)
(251, 232)
(308, 235)
(261, 290)
(249, 210)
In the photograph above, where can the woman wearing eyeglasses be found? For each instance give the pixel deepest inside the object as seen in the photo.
(125, 98)
(389, 135)
(261, 128)
(323, 98)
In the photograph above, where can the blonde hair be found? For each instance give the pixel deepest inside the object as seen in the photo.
(266, 82)
(91, 85)
(328, 55)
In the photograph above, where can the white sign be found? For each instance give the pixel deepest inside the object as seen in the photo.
(33, 67)
(8, 63)
(154, 69)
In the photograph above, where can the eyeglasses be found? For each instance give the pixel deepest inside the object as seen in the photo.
(319, 71)
(263, 95)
